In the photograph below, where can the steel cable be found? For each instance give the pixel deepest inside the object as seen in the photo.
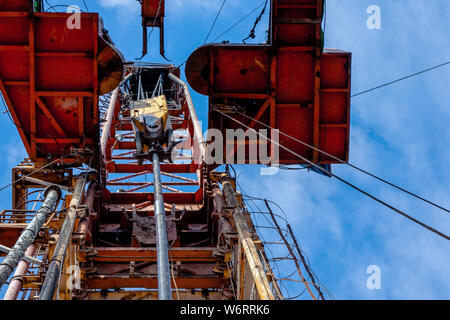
(435, 231)
(214, 22)
(349, 164)
(401, 79)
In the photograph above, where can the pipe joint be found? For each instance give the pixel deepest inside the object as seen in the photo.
(53, 188)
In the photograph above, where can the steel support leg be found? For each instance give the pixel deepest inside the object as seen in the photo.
(162, 247)
(52, 196)
(16, 283)
(54, 269)
(254, 262)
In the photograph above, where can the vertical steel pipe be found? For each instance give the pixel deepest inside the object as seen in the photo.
(254, 262)
(162, 247)
(110, 115)
(225, 225)
(197, 128)
(106, 133)
(16, 283)
(84, 224)
(52, 197)
(54, 269)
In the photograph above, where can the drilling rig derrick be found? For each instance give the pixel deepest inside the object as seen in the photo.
(143, 214)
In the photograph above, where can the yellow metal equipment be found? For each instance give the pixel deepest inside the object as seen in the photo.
(152, 127)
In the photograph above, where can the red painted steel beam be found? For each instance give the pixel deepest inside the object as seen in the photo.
(308, 90)
(125, 254)
(153, 9)
(151, 282)
(51, 77)
(10, 232)
(139, 197)
(134, 168)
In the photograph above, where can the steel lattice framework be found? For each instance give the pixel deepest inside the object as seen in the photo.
(69, 93)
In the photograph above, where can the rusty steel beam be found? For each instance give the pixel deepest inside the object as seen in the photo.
(153, 295)
(134, 168)
(125, 254)
(151, 282)
(178, 177)
(130, 176)
(147, 184)
(170, 197)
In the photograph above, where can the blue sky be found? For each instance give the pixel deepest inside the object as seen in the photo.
(399, 132)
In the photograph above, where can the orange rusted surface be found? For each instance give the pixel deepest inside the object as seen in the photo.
(50, 78)
(291, 84)
(151, 282)
(126, 254)
(153, 12)
(153, 8)
(9, 234)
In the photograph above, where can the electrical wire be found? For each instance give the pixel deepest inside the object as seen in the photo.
(261, 212)
(350, 165)
(305, 259)
(231, 27)
(275, 204)
(239, 21)
(302, 258)
(49, 6)
(8, 113)
(269, 249)
(215, 20)
(401, 79)
(154, 20)
(256, 207)
(429, 228)
(37, 170)
(291, 253)
(23, 198)
(64, 6)
(173, 275)
(261, 235)
(85, 5)
(297, 296)
(258, 19)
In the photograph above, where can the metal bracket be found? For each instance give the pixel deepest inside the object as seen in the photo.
(83, 211)
(45, 183)
(26, 258)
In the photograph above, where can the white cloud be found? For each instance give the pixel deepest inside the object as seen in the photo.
(398, 132)
(127, 5)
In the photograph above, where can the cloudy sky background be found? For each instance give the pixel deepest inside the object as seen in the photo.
(399, 132)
